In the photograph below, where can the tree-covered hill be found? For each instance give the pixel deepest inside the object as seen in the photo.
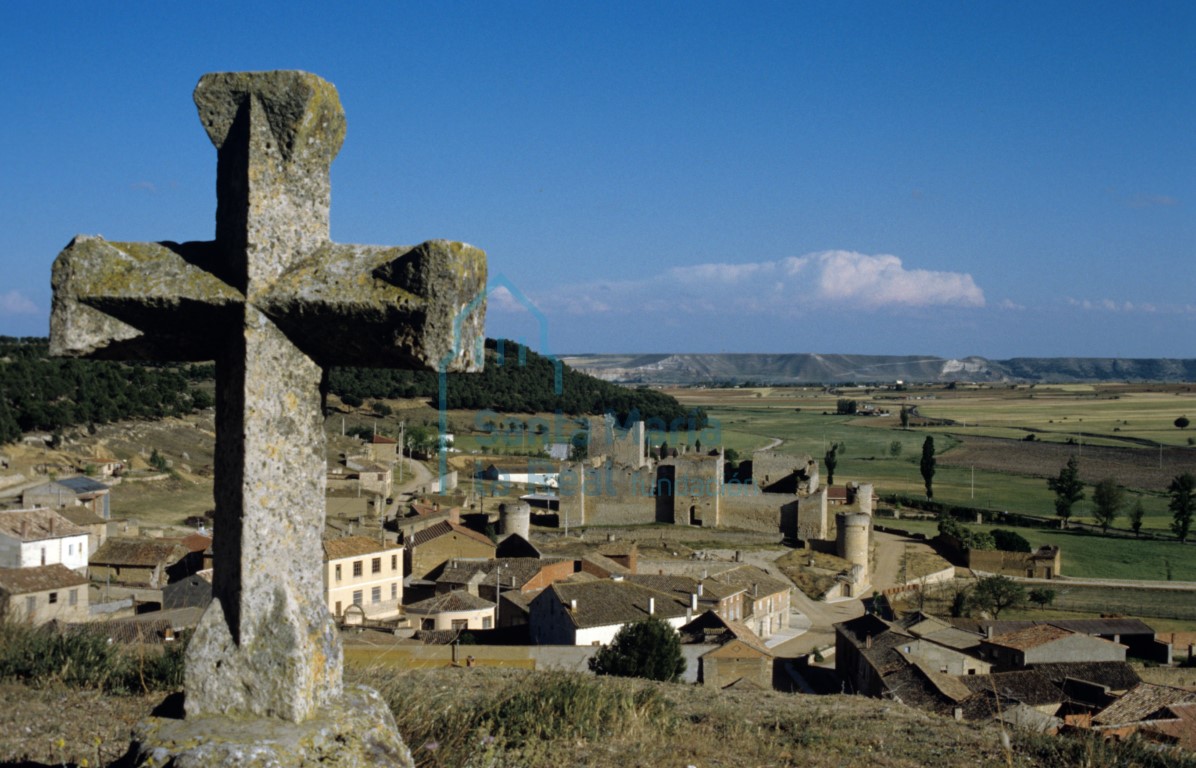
(38, 392)
(515, 380)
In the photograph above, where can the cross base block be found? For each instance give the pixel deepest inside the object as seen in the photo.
(356, 731)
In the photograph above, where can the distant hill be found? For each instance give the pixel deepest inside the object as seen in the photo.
(800, 368)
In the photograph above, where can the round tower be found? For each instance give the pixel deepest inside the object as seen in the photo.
(863, 497)
(853, 532)
(515, 518)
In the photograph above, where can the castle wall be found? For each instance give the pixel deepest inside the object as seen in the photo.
(623, 446)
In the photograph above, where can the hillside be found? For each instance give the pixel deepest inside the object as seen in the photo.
(804, 368)
(493, 717)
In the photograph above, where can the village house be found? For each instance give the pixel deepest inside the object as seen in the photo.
(456, 610)
(765, 598)
(382, 449)
(703, 594)
(427, 550)
(42, 593)
(1047, 644)
(69, 492)
(739, 657)
(592, 612)
(96, 526)
(142, 562)
(194, 591)
(364, 573)
(34, 537)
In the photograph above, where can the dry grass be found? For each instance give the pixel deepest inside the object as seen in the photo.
(816, 579)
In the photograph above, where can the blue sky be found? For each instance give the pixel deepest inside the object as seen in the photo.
(995, 178)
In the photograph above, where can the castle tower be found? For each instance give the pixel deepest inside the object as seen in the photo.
(515, 518)
(864, 499)
(854, 531)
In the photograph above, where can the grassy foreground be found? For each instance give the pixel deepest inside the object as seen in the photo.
(493, 717)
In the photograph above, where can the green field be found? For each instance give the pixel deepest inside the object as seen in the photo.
(1090, 555)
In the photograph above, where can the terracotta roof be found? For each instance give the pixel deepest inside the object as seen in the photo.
(139, 552)
(1141, 703)
(756, 581)
(449, 602)
(38, 525)
(1114, 675)
(1031, 637)
(444, 528)
(604, 603)
(353, 546)
(1026, 686)
(382, 440)
(196, 542)
(81, 516)
(1177, 725)
(606, 564)
(19, 581)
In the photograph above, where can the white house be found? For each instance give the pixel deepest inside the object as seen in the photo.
(36, 537)
(591, 613)
(366, 573)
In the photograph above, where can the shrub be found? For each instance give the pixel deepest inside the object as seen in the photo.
(649, 648)
(1010, 541)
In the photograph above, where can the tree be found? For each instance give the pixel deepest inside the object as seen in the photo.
(1109, 498)
(1042, 596)
(1136, 515)
(927, 465)
(830, 461)
(1068, 488)
(904, 417)
(895, 448)
(1182, 505)
(1010, 541)
(1182, 422)
(649, 648)
(845, 407)
(996, 593)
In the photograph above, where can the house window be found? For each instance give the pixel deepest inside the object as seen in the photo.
(73, 598)
(43, 555)
(460, 624)
(30, 605)
(338, 571)
(394, 562)
(394, 590)
(376, 565)
(53, 598)
(338, 607)
(70, 549)
(429, 623)
(357, 597)
(356, 567)
(376, 595)
(487, 622)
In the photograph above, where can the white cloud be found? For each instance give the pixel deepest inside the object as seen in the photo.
(16, 303)
(1128, 307)
(1011, 305)
(829, 280)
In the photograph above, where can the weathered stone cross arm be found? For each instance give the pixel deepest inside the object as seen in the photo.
(372, 306)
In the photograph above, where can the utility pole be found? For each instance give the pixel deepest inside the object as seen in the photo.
(973, 482)
(402, 448)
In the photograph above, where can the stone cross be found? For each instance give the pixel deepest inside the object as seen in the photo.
(274, 302)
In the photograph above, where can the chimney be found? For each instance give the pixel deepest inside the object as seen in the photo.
(651, 606)
(573, 605)
(699, 589)
(52, 524)
(988, 631)
(454, 515)
(693, 601)
(868, 641)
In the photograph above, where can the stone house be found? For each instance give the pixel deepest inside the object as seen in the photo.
(522, 574)
(1047, 644)
(1043, 563)
(96, 527)
(738, 657)
(702, 594)
(142, 562)
(592, 612)
(765, 598)
(427, 550)
(34, 537)
(382, 449)
(456, 610)
(43, 593)
(69, 492)
(365, 573)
